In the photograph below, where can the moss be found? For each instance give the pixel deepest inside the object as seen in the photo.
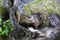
(36, 1)
(43, 6)
(26, 9)
(46, 23)
(4, 13)
(2, 10)
(0, 2)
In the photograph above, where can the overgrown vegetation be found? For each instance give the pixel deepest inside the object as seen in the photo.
(5, 28)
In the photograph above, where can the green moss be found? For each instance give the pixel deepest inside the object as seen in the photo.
(45, 23)
(0, 2)
(26, 9)
(36, 1)
(2, 9)
(0, 29)
(43, 6)
(3, 12)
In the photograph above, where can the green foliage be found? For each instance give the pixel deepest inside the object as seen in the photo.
(5, 27)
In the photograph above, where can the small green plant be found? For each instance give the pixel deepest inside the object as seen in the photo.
(5, 27)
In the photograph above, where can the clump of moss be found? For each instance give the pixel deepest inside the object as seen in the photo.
(0, 2)
(3, 12)
(42, 6)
